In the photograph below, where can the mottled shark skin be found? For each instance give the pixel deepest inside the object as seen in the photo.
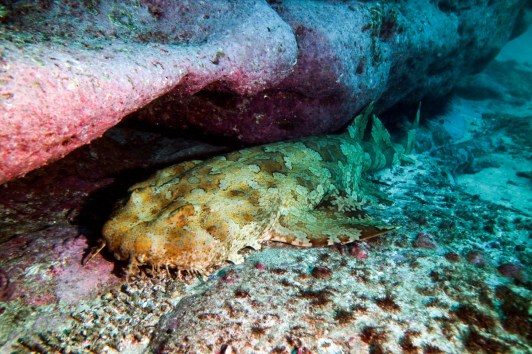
(199, 214)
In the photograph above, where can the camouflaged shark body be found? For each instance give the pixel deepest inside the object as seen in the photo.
(198, 214)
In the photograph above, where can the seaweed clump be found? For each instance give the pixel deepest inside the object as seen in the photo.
(477, 342)
(388, 302)
(472, 316)
(374, 337)
(317, 297)
(516, 316)
(407, 343)
(344, 316)
(321, 272)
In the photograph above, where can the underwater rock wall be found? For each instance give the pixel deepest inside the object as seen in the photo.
(253, 70)
(352, 53)
(72, 71)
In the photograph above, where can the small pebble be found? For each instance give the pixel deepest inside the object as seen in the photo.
(260, 266)
(424, 240)
(452, 257)
(511, 270)
(477, 258)
(359, 251)
(321, 272)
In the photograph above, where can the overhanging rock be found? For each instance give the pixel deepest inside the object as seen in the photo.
(254, 70)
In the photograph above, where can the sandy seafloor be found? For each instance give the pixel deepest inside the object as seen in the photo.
(454, 279)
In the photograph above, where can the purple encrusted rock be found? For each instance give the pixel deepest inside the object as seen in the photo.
(251, 70)
(424, 240)
(511, 270)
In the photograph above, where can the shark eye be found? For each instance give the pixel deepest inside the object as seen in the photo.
(212, 230)
(180, 216)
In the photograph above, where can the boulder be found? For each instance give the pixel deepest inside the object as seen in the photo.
(352, 53)
(252, 70)
(69, 71)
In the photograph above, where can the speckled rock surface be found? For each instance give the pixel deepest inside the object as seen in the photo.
(70, 71)
(247, 69)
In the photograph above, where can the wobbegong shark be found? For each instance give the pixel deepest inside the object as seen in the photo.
(196, 215)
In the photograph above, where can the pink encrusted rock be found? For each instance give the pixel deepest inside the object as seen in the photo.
(56, 95)
(240, 68)
(359, 250)
(45, 268)
(74, 281)
(350, 54)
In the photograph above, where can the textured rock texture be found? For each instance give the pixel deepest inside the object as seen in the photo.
(71, 71)
(255, 70)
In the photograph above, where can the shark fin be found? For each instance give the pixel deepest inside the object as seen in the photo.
(411, 134)
(357, 128)
(320, 228)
